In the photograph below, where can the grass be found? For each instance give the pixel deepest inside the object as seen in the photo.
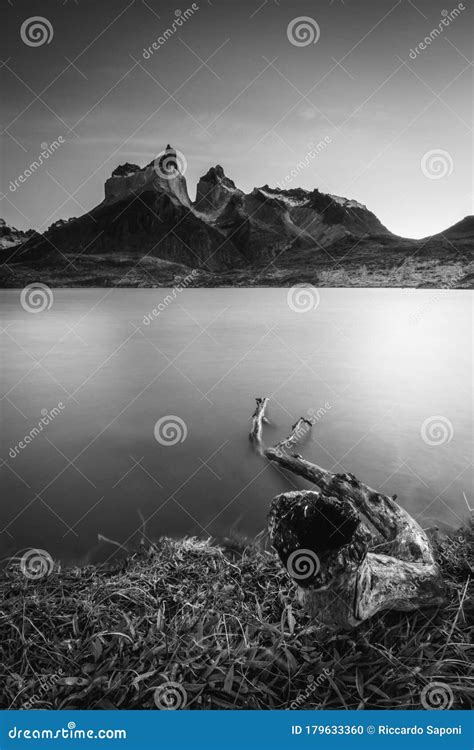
(224, 625)
(126, 270)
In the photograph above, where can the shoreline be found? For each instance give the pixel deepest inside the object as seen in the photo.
(127, 271)
(218, 627)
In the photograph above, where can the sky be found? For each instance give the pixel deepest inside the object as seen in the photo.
(247, 85)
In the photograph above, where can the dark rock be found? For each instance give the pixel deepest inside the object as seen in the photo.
(124, 170)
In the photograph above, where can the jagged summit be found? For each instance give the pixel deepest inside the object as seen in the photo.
(161, 175)
(11, 236)
(166, 164)
(215, 174)
(125, 170)
(214, 190)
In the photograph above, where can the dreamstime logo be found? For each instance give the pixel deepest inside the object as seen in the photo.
(436, 164)
(171, 696)
(313, 685)
(303, 564)
(47, 150)
(447, 17)
(36, 564)
(315, 416)
(437, 696)
(36, 31)
(302, 31)
(181, 16)
(46, 683)
(36, 298)
(179, 285)
(47, 416)
(437, 430)
(304, 425)
(313, 152)
(170, 430)
(170, 164)
(302, 298)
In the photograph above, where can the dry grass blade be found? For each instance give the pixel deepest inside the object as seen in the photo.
(224, 625)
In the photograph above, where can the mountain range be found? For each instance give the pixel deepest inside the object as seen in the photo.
(147, 231)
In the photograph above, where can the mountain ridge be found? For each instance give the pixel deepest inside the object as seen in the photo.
(146, 213)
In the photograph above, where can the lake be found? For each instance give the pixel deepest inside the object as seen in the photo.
(387, 374)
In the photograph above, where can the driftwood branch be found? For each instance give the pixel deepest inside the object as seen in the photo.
(257, 418)
(352, 551)
(299, 429)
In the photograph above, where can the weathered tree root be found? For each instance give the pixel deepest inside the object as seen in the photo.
(257, 418)
(351, 550)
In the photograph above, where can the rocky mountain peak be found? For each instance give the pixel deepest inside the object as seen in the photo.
(161, 175)
(124, 170)
(166, 164)
(11, 236)
(216, 174)
(214, 190)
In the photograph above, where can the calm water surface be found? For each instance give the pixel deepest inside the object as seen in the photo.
(374, 364)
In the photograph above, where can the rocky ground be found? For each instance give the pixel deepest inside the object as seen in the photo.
(125, 270)
(203, 626)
